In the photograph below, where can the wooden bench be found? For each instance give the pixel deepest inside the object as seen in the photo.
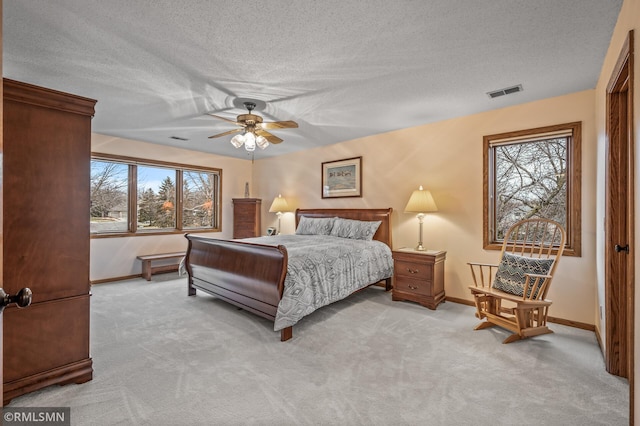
(148, 269)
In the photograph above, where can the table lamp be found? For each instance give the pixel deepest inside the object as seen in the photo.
(278, 206)
(421, 202)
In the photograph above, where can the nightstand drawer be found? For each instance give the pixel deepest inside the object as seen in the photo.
(413, 286)
(419, 271)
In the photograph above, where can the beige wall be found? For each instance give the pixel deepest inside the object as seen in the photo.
(446, 157)
(629, 19)
(116, 257)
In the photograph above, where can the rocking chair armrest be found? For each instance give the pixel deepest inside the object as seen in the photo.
(481, 273)
(521, 302)
(498, 294)
(482, 264)
(538, 276)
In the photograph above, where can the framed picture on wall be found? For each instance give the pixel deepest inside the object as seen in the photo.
(342, 178)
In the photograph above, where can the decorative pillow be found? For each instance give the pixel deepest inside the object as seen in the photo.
(315, 226)
(354, 229)
(511, 277)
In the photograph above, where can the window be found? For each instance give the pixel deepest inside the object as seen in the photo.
(109, 196)
(156, 198)
(166, 197)
(533, 173)
(197, 193)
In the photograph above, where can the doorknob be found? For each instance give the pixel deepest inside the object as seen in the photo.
(618, 248)
(22, 298)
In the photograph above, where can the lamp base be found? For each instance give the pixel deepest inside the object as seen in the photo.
(420, 247)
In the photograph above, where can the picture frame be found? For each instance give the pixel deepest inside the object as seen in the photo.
(342, 178)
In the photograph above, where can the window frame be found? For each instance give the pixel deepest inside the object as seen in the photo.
(573, 246)
(132, 202)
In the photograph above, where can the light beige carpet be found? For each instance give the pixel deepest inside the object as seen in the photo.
(162, 358)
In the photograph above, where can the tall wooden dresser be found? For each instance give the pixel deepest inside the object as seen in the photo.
(47, 154)
(246, 217)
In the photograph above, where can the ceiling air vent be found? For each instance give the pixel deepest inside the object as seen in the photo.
(178, 138)
(505, 91)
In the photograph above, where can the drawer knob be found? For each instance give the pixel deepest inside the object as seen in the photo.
(413, 271)
(413, 288)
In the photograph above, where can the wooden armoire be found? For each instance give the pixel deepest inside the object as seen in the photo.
(47, 155)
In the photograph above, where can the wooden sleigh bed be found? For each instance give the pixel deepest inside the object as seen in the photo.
(252, 276)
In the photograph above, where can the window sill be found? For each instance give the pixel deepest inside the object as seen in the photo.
(152, 233)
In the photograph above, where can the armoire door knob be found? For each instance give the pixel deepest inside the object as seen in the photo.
(22, 298)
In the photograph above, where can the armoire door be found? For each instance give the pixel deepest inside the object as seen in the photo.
(46, 173)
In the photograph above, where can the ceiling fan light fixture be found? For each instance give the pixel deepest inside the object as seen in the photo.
(249, 124)
(237, 141)
(262, 142)
(250, 142)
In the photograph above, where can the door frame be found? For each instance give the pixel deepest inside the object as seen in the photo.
(1, 207)
(619, 220)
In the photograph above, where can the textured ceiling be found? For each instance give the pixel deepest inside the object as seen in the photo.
(342, 69)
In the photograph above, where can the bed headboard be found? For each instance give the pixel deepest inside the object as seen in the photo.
(384, 215)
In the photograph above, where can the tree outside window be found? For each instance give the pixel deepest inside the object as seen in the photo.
(533, 174)
(198, 194)
(109, 197)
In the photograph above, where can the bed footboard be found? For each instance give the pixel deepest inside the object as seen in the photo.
(250, 276)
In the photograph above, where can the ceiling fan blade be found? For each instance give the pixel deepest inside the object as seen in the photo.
(279, 125)
(223, 118)
(268, 136)
(226, 133)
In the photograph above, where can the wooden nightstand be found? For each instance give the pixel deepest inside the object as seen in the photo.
(419, 276)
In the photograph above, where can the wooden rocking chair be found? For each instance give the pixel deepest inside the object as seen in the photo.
(512, 295)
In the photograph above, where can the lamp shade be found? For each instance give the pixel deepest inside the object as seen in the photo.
(250, 141)
(262, 142)
(421, 201)
(279, 205)
(237, 141)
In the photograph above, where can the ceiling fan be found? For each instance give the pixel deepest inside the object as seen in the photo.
(254, 129)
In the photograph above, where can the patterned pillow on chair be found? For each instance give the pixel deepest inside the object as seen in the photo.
(511, 277)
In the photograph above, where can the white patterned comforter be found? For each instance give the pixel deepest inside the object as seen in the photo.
(323, 269)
